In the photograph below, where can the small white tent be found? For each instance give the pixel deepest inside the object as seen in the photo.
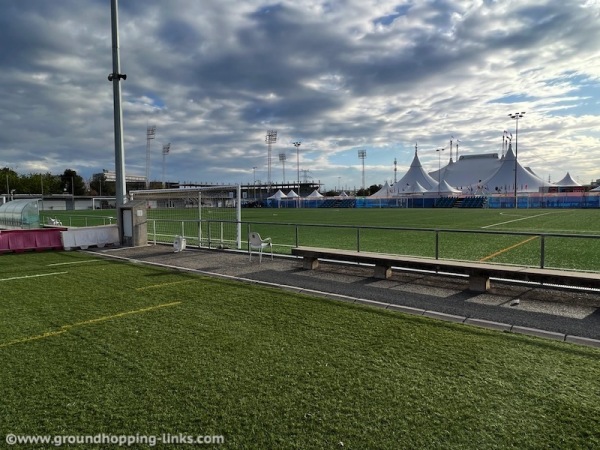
(414, 188)
(315, 194)
(292, 194)
(567, 181)
(385, 192)
(445, 189)
(278, 195)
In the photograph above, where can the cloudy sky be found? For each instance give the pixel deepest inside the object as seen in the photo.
(338, 75)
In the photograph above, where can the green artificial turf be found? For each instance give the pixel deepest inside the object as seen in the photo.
(92, 346)
(408, 232)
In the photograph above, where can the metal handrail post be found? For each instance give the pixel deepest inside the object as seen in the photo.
(542, 251)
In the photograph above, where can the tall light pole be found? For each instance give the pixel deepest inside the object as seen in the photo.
(439, 152)
(297, 145)
(282, 158)
(115, 77)
(150, 134)
(516, 116)
(254, 182)
(270, 139)
(362, 154)
(165, 152)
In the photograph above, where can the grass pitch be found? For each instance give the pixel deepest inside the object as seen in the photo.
(410, 232)
(92, 346)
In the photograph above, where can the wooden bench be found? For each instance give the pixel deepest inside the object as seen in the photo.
(479, 273)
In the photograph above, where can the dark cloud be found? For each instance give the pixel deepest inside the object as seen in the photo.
(213, 77)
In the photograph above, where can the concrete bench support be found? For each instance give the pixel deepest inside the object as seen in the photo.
(479, 273)
(383, 272)
(479, 283)
(310, 263)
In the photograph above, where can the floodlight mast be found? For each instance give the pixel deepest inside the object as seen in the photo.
(282, 158)
(362, 154)
(165, 151)
(297, 145)
(115, 77)
(270, 139)
(150, 134)
(516, 116)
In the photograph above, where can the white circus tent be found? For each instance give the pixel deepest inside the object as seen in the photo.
(469, 170)
(567, 181)
(413, 177)
(504, 178)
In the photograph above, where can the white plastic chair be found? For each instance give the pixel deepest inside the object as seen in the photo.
(256, 242)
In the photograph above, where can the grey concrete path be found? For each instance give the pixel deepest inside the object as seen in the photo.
(559, 314)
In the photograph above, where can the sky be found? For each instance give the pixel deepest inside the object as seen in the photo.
(339, 76)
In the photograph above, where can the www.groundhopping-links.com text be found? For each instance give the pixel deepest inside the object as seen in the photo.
(119, 440)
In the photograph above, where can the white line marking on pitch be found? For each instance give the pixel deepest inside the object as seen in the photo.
(74, 262)
(516, 220)
(33, 276)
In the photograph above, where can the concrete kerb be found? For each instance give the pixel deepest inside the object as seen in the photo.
(539, 333)
(582, 341)
(496, 326)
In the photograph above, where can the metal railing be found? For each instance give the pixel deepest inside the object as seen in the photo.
(507, 247)
(78, 220)
(527, 249)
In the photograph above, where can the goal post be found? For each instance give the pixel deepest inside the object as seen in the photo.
(207, 216)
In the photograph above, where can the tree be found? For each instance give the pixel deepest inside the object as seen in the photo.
(374, 188)
(9, 181)
(72, 183)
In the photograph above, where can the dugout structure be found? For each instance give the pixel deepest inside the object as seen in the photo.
(204, 216)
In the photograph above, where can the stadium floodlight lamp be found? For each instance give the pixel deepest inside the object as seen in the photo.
(297, 145)
(516, 116)
(362, 154)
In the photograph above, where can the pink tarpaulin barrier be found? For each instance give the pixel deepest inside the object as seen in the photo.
(49, 238)
(38, 239)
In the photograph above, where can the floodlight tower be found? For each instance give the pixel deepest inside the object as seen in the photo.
(165, 152)
(270, 139)
(150, 134)
(362, 154)
(115, 77)
(282, 158)
(297, 145)
(516, 116)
